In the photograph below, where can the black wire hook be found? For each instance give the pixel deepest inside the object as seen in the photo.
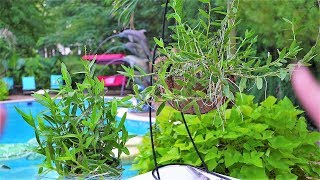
(151, 83)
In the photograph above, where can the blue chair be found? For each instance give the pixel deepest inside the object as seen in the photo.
(9, 81)
(28, 84)
(55, 81)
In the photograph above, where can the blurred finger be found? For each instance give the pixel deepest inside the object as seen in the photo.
(308, 92)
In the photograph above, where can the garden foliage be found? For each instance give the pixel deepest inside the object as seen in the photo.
(3, 90)
(207, 66)
(78, 132)
(247, 141)
(269, 21)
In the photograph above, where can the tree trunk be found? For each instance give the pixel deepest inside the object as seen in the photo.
(132, 21)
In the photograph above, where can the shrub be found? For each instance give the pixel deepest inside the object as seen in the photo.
(3, 90)
(78, 132)
(254, 141)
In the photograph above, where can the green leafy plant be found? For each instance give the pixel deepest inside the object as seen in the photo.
(250, 141)
(78, 133)
(206, 66)
(3, 90)
(7, 48)
(268, 20)
(124, 16)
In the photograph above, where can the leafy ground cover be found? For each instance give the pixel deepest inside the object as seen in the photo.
(258, 141)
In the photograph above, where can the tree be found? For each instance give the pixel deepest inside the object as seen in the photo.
(7, 43)
(79, 23)
(25, 20)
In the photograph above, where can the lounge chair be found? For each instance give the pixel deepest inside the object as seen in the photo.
(114, 81)
(9, 81)
(55, 81)
(28, 84)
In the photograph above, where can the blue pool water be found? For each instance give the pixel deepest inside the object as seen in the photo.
(18, 131)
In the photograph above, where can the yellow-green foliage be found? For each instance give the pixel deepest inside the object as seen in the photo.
(247, 141)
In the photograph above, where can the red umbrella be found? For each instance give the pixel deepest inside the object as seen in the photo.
(105, 58)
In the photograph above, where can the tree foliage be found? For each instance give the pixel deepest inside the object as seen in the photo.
(276, 23)
(269, 21)
(26, 21)
(77, 22)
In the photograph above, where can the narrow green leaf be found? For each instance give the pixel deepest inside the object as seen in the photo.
(160, 108)
(248, 34)
(159, 42)
(121, 123)
(177, 18)
(27, 117)
(203, 24)
(125, 150)
(310, 55)
(65, 158)
(215, 55)
(227, 92)
(135, 89)
(65, 74)
(243, 84)
(205, 1)
(42, 99)
(269, 59)
(41, 125)
(287, 20)
(188, 106)
(74, 109)
(197, 109)
(201, 94)
(126, 98)
(66, 136)
(114, 107)
(40, 170)
(88, 141)
(257, 64)
(48, 156)
(92, 62)
(259, 83)
(249, 63)
(204, 14)
(293, 45)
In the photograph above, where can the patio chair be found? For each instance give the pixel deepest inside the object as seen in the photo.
(55, 81)
(28, 84)
(114, 81)
(9, 81)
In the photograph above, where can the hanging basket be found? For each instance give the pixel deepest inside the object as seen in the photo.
(204, 105)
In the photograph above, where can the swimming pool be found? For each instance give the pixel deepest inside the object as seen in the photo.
(18, 136)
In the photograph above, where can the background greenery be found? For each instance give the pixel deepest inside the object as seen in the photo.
(37, 24)
(85, 24)
(3, 90)
(266, 19)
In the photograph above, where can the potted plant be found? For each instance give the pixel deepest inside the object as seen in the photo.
(78, 132)
(204, 68)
